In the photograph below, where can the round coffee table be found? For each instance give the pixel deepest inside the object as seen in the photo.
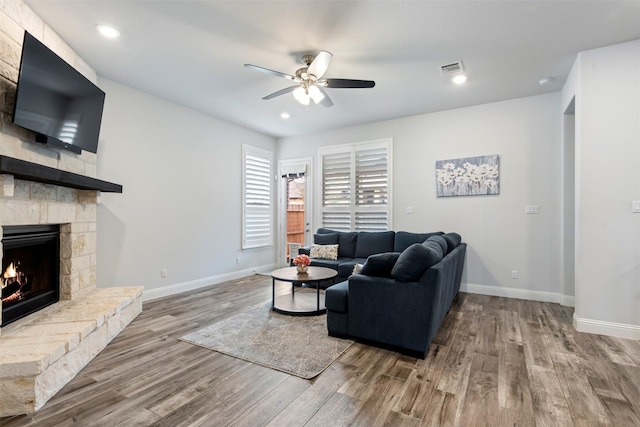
(305, 298)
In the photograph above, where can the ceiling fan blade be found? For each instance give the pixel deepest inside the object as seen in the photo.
(348, 83)
(320, 64)
(281, 92)
(268, 71)
(326, 101)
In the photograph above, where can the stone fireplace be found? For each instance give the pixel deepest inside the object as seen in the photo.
(42, 351)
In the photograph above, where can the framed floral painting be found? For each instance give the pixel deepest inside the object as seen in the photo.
(470, 176)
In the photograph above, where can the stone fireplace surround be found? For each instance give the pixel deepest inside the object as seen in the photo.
(43, 351)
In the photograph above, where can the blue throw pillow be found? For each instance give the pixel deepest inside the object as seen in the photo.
(370, 243)
(325, 239)
(453, 240)
(404, 239)
(436, 247)
(380, 265)
(440, 241)
(347, 244)
(414, 261)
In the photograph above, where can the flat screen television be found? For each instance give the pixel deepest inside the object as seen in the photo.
(55, 101)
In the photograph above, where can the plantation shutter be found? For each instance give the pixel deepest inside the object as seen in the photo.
(356, 187)
(256, 218)
(372, 188)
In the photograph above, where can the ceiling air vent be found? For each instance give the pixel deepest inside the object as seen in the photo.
(451, 68)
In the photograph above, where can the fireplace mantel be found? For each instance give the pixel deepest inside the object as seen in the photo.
(29, 171)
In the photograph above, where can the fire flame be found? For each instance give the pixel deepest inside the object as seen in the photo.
(10, 272)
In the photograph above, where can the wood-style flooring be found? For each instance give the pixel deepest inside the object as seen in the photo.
(494, 362)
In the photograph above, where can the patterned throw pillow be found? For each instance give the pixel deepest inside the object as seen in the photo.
(324, 252)
(357, 269)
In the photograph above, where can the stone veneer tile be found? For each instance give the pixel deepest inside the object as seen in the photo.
(20, 212)
(86, 213)
(82, 328)
(8, 72)
(83, 243)
(22, 189)
(70, 340)
(43, 192)
(10, 50)
(66, 194)
(88, 196)
(7, 96)
(60, 212)
(24, 16)
(29, 359)
(7, 185)
(69, 162)
(91, 170)
(11, 28)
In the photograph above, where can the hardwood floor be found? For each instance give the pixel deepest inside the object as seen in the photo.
(494, 362)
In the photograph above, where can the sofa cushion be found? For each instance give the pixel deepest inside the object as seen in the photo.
(325, 239)
(380, 265)
(436, 247)
(370, 243)
(404, 239)
(414, 261)
(347, 244)
(453, 240)
(440, 241)
(345, 269)
(336, 297)
(324, 251)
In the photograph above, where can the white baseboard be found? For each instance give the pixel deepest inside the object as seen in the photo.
(177, 288)
(602, 327)
(527, 294)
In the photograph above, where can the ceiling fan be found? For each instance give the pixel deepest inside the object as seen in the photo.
(311, 83)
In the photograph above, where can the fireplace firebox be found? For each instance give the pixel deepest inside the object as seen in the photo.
(30, 277)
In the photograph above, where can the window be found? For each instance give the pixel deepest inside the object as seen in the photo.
(256, 198)
(356, 186)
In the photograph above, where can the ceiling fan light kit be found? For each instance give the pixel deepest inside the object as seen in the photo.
(310, 80)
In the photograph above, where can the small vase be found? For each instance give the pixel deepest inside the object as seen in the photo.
(302, 268)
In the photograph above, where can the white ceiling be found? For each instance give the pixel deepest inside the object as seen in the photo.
(192, 52)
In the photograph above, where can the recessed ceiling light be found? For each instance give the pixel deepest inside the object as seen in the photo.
(108, 31)
(459, 79)
(285, 115)
(545, 81)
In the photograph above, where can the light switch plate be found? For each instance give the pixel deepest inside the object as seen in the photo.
(635, 206)
(409, 209)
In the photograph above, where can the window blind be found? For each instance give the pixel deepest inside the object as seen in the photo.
(256, 222)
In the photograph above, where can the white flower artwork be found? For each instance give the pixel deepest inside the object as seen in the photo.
(471, 176)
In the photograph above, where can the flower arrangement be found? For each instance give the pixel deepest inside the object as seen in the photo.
(302, 260)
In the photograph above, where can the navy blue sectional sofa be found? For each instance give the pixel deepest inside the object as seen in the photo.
(400, 298)
(355, 247)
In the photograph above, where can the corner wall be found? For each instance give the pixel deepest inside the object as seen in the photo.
(527, 134)
(181, 207)
(607, 93)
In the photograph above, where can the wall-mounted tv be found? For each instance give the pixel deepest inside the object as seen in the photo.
(55, 101)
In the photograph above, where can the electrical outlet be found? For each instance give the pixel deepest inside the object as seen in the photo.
(514, 274)
(163, 273)
(409, 210)
(237, 260)
(532, 209)
(635, 206)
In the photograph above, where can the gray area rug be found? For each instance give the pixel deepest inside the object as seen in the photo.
(297, 345)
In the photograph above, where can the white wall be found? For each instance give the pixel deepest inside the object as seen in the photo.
(527, 134)
(606, 85)
(181, 205)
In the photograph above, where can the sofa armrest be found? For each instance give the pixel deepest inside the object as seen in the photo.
(392, 312)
